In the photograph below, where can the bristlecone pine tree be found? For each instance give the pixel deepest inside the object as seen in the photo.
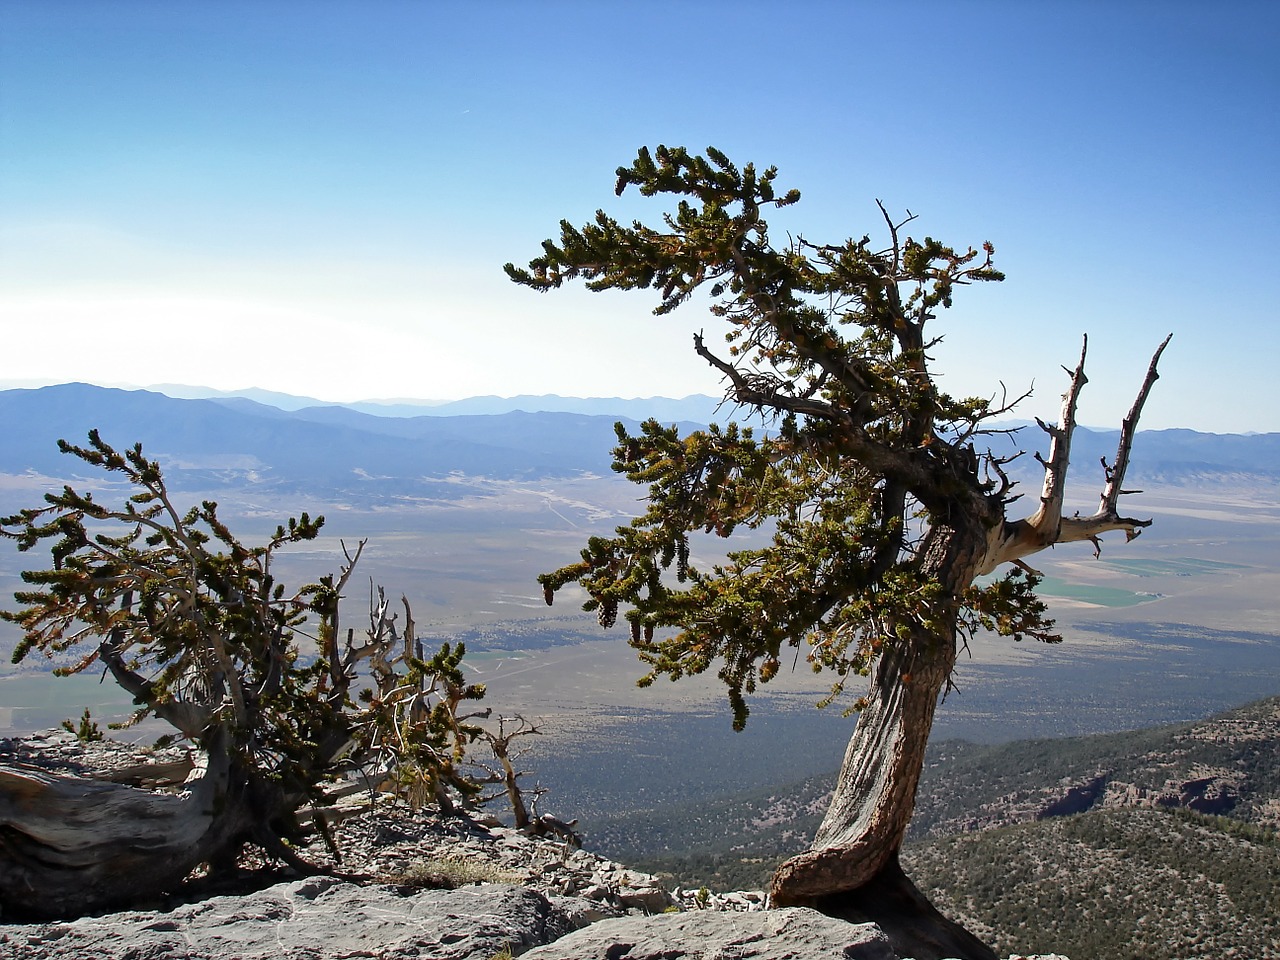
(884, 510)
(194, 624)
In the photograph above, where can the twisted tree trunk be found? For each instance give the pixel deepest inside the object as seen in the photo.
(851, 869)
(71, 845)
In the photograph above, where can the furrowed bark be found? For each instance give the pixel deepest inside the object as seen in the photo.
(71, 845)
(875, 792)
(851, 870)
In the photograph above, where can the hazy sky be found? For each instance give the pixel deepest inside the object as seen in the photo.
(318, 197)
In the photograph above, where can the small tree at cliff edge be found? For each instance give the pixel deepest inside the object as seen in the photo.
(276, 698)
(884, 510)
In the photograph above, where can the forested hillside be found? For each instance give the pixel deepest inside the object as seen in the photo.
(1116, 883)
(1087, 846)
(1223, 765)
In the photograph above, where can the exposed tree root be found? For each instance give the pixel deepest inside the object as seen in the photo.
(913, 925)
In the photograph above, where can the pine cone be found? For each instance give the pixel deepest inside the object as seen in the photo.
(607, 613)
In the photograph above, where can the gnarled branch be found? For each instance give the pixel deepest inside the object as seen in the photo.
(1013, 540)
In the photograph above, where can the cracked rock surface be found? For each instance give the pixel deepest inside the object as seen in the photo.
(312, 919)
(792, 933)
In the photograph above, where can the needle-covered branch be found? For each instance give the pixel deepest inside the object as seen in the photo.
(830, 332)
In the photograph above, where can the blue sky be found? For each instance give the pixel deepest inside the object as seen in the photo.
(318, 197)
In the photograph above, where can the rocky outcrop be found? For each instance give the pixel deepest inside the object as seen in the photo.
(1212, 795)
(1221, 766)
(530, 895)
(1216, 792)
(1077, 798)
(60, 751)
(319, 917)
(792, 933)
(322, 918)
(383, 842)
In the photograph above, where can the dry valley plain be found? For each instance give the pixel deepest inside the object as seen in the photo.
(1178, 624)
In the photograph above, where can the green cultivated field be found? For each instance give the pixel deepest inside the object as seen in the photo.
(1096, 596)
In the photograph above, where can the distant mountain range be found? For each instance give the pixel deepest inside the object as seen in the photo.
(326, 450)
(336, 450)
(697, 408)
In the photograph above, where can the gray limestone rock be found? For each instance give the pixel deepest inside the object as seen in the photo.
(793, 933)
(314, 919)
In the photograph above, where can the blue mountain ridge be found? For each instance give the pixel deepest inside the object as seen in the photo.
(334, 449)
(322, 449)
(697, 408)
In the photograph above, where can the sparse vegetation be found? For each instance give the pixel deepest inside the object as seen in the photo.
(1140, 884)
(969, 785)
(450, 872)
(1137, 882)
(87, 730)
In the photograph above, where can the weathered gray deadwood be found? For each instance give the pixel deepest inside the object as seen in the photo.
(72, 843)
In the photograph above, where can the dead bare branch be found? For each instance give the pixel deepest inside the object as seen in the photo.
(1113, 491)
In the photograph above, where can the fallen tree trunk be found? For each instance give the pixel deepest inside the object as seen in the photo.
(72, 844)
